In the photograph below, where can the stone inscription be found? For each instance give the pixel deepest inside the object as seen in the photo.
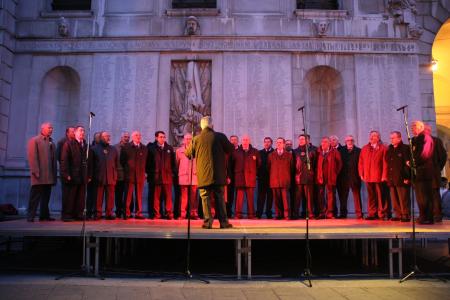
(219, 44)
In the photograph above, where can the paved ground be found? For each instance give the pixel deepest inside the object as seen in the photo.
(45, 287)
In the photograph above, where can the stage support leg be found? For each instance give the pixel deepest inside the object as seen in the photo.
(97, 256)
(88, 255)
(108, 251)
(353, 247)
(374, 252)
(116, 251)
(399, 251)
(238, 258)
(365, 252)
(249, 259)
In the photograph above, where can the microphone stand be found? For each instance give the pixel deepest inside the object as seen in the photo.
(415, 268)
(84, 269)
(307, 271)
(187, 275)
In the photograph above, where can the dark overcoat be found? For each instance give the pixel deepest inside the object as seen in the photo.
(210, 148)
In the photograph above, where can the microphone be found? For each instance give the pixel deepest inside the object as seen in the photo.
(301, 108)
(91, 114)
(403, 107)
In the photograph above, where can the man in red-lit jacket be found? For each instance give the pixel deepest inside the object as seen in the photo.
(245, 164)
(280, 166)
(329, 164)
(372, 169)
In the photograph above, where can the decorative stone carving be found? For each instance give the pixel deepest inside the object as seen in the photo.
(415, 31)
(321, 27)
(404, 13)
(192, 26)
(63, 27)
(190, 97)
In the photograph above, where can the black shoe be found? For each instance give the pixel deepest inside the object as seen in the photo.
(46, 219)
(207, 225)
(341, 217)
(110, 218)
(321, 217)
(371, 218)
(424, 222)
(140, 217)
(404, 220)
(395, 219)
(225, 226)
(67, 220)
(269, 216)
(438, 220)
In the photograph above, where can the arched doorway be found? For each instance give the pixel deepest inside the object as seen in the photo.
(59, 99)
(325, 99)
(441, 86)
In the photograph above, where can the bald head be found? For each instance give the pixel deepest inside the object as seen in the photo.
(206, 122)
(245, 141)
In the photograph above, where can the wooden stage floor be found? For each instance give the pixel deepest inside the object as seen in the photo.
(251, 229)
(243, 232)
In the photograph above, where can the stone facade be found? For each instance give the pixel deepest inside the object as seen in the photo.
(350, 67)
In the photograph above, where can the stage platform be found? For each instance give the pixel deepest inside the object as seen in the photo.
(243, 232)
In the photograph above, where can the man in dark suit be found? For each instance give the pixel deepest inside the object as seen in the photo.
(430, 157)
(91, 201)
(210, 148)
(281, 166)
(231, 187)
(349, 178)
(65, 188)
(70, 135)
(103, 164)
(73, 170)
(133, 159)
(245, 163)
(304, 177)
(42, 161)
(120, 190)
(398, 176)
(162, 170)
(149, 168)
(264, 192)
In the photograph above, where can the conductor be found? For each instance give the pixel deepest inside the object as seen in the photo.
(209, 149)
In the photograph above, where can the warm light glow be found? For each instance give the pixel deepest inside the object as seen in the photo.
(441, 83)
(434, 65)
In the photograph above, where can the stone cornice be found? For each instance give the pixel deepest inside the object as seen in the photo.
(215, 44)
